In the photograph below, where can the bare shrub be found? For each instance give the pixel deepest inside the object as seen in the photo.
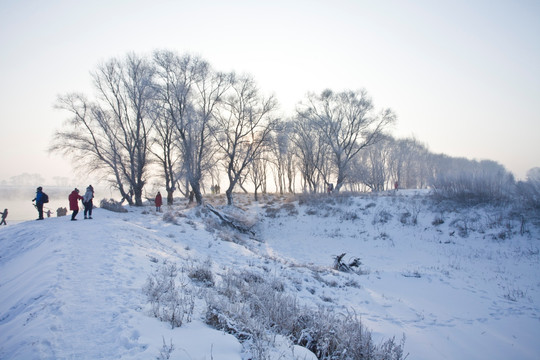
(290, 208)
(513, 294)
(170, 302)
(202, 273)
(382, 217)
(438, 220)
(410, 217)
(272, 212)
(249, 307)
(349, 216)
(462, 226)
(405, 218)
(170, 218)
(173, 217)
(330, 335)
(166, 350)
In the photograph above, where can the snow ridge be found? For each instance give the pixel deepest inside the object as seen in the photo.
(458, 282)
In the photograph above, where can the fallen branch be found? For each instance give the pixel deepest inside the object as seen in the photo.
(230, 221)
(341, 266)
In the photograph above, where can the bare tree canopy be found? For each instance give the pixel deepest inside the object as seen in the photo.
(348, 123)
(243, 126)
(189, 92)
(177, 112)
(111, 134)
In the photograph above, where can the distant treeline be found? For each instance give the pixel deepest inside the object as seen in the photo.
(174, 122)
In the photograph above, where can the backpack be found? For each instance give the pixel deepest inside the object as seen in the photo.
(44, 198)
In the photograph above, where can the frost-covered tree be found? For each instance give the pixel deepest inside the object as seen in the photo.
(311, 152)
(374, 164)
(409, 163)
(111, 134)
(189, 93)
(167, 151)
(281, 148)
(348, 122)
(471, 181)
(243, 126)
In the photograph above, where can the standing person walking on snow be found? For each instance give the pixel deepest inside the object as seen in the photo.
(73, 204)
(4, 216)
(87, 202)
(39, 202)
(158, 200)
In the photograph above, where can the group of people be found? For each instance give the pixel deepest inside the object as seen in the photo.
(74, 197)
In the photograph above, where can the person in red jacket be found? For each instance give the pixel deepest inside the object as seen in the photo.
(74, 197)
(158, 200)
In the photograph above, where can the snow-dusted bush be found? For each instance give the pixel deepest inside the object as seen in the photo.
(254, 309)
(202, 273)
(173, 217)
(438, 220)
(382, 217)
(349, 216)
(112, 205)
(342, 336)
(170, 302)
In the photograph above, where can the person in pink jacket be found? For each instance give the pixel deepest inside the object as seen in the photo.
(74, 197)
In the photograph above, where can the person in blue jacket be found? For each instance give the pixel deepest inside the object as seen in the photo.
(39, 202)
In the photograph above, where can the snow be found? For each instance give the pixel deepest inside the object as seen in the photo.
(467, 288)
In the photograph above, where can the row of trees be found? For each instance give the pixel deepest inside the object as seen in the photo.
(178, 114)
(177, 119)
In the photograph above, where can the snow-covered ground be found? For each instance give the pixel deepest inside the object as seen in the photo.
(459, 283)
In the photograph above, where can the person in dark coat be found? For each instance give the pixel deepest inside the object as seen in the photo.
(4, 216)
(73, 198)
(39, 202)
(159, 201)
(87, 202)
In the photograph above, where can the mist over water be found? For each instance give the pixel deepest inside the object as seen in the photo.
(18, 200)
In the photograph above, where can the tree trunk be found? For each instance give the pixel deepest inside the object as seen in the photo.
(229, 196)
(138, 196)
(196, 192)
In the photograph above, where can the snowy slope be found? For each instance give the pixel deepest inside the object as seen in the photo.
(466, 288)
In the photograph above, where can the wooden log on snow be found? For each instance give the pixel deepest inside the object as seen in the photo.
(229, 221)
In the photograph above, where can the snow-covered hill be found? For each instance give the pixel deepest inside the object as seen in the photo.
(459, 283)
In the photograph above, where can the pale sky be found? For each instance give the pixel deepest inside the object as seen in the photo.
(462, 76)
